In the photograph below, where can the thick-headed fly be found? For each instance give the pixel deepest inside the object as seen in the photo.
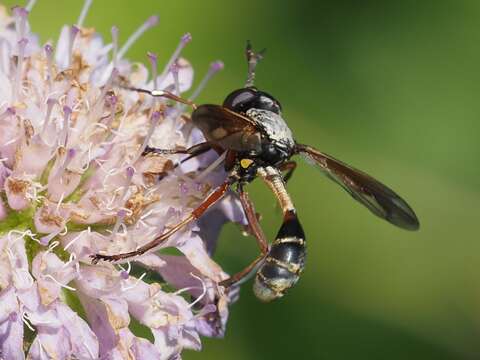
(257, 142)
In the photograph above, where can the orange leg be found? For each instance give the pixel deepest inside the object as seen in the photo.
(194, 215)
(259, 235)
(165, 94)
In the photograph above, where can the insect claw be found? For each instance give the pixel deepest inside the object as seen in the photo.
(148, 150)
(97, 257)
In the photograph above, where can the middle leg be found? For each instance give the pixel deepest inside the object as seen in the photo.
(259, 235)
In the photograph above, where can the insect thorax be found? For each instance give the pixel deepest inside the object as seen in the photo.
(265, 112)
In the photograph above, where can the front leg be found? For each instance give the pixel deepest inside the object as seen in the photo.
(165, 94)
(193, 151)
(212, 199)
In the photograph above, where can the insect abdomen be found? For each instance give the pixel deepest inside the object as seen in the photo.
(284, 262)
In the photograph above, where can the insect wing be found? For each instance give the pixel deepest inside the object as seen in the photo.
(378, 198)
(227, 128)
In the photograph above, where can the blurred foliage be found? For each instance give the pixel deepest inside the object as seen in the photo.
(390, 86)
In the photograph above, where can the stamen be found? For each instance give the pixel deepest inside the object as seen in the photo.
(10, 111)
(124, 230)
(26, 321)
(124, 274)
(52, 246)
(108, 85)
(61, 169)
(183, 188)
(89, 158)
(30, 5)
(10, 142)
(185, 39)
(71, 242)
(83, 14)
(49, 55)
(215, 67)
(203, 292)
(26, 273)
(77, 237)
(18, 79)
(71, 258)
(109, 172)
(130, 173)
(174, 70)
(120, 217)
(207, 309)
(13, 317)
(211, 167)
(123, 197)
(20, 15)
(50, 103)
(11, 255)
(185, 289)
(59, 283)
(154, 121)
(44, 240)
(147, 214)
(42, 321)
(136, 283)
(77, 270)
(59, 203)
(151, 22)
(67, 112)
(22, 234)
(154, 63)
(58, 177)
(70, 99)
(111, 101)
(73, 34)
(5, 51)
(171, 212)
(40, 349)
(114, 32)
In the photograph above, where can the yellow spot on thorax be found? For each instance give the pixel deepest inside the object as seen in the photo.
(245, 163)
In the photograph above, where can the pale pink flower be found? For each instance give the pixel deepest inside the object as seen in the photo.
(75, 183)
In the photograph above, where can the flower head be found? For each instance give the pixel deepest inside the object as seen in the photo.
(74, 183)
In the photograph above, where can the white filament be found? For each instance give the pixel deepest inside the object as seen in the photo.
(84, 12)
(211, 167)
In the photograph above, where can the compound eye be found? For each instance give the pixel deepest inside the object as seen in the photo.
(245, 99)
(240, 100)
(267, 102)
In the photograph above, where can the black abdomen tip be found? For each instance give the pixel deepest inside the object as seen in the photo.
(284, 262)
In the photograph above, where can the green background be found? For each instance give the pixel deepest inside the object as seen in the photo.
(389, 86)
